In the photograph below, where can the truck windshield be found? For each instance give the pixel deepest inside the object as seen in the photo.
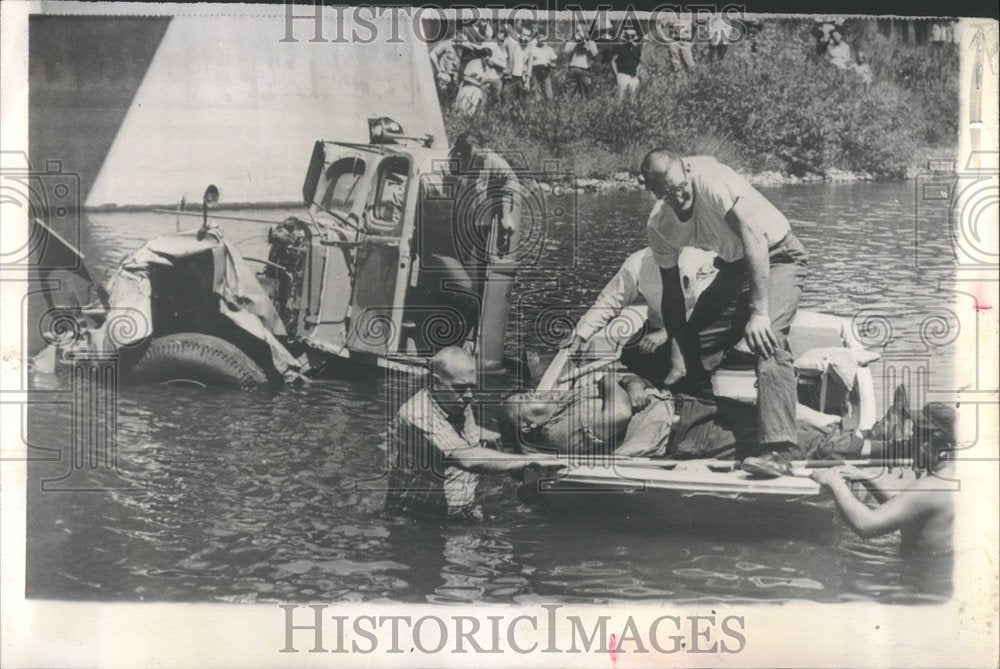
(341, 183)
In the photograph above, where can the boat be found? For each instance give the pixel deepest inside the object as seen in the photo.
(716, 494)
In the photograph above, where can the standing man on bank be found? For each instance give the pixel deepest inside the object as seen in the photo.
(582, 51)
(705, 204)
(625, 58)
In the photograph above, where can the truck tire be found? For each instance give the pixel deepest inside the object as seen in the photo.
(196, 359)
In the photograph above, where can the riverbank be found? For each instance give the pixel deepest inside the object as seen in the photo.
(626, 181)
(772, 110)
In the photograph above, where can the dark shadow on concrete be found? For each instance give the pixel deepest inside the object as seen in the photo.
(84, 74)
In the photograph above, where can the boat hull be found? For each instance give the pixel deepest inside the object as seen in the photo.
(691, 497)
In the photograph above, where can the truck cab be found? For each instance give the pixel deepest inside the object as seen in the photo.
(348, 278)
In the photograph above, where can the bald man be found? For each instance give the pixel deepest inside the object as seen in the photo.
(438, 451)
(704, 204)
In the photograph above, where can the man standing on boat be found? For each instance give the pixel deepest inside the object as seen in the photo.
(436, 449)
(704, 204)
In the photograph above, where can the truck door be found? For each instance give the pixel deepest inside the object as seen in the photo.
(382, 264)
(337, 183)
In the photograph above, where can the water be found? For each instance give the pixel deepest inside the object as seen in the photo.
(267, 496)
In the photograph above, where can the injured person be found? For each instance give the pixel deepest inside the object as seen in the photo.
(620, 413)
(626, 415)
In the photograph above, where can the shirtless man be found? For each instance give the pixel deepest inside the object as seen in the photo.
(623, 414)
(923, 512)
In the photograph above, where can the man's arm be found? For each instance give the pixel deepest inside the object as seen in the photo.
(481, 460)
(569, 47)
(871, 483)
(755, 247)
(621, 291)
(614, 63)
(636, 388)
(893, 515)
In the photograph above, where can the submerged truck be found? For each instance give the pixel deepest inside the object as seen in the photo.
(343, 281)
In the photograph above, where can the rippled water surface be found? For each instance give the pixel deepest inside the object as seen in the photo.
(273, 496)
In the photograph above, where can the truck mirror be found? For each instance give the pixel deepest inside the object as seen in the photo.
(211, 197)
(208, 201)
(313, 173)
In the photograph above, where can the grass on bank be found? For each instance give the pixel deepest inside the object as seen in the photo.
(771, 106)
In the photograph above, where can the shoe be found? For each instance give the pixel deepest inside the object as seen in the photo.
(768, 466)
(896, 425)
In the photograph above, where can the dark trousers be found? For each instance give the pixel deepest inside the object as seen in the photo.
(445, 281)
(650, 366)
(543, 82)
(725, 428)
(579, 81)
(513, 89)
(718, 321)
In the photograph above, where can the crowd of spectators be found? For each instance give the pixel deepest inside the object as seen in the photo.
(490, 63)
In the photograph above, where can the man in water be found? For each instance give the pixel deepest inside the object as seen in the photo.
(458, 209)
(923, 512)
(761, 264)
(438, 451)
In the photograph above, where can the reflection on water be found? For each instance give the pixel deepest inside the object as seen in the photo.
(274, 496)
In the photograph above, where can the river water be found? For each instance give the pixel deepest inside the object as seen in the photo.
(254, 496)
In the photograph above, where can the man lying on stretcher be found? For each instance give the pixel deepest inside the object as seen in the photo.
(626, 415)
(621, 413)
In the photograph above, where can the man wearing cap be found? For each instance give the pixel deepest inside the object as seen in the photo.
(923, 512)
(755, 294)
(437, 451)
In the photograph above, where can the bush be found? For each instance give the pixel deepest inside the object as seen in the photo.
(769, 105)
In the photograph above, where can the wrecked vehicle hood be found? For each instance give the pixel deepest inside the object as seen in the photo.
(241, 298)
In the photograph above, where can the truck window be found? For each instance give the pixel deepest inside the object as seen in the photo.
(342, 178)
(390, 192)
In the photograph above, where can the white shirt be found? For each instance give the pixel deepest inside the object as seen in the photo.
(497, 60)
(638, 278)
(476, 73)
(540, 54)
(716, 190)
(839, 55)
(581, 53)
(515, 56)
(445, 59)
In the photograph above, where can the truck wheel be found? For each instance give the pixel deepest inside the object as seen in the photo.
(196, 359)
